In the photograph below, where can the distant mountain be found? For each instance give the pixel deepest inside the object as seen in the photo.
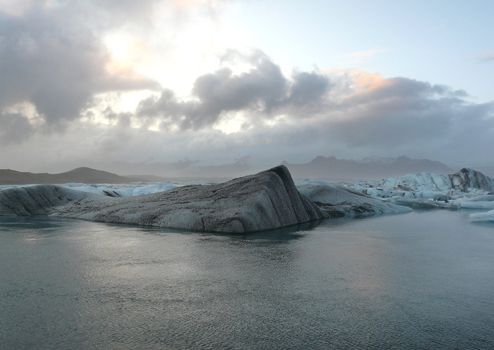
(146, 178)
(320, 167)
(83, 175)
(187, 169)
(370, 168)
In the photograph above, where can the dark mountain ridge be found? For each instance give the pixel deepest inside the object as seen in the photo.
(83, 175)
(346, 169)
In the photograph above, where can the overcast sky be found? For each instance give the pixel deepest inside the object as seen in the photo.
(86, 82)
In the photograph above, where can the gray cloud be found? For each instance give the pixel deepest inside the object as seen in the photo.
(398, 114)
(261, 90)
(394, 112)
(308, 90)
(405, 110)
(52, 55)
(52, 60)
(324, 114)
(15, 127)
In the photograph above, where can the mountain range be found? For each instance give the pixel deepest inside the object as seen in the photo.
(370, 168)
(83, 175)
(320, 167)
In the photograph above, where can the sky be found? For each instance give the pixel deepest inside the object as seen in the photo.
(96, 83)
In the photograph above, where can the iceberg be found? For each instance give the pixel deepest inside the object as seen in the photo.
(480, 202)
(465, 189)
(483, 217)
(264, 201)
(426, 186)
(339, 201)
(467, 179)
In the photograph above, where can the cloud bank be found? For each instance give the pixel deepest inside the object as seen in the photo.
(55, 75)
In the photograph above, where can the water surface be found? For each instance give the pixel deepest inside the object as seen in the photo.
(423, 280)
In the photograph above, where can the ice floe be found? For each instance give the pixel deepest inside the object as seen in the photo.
(483, 217)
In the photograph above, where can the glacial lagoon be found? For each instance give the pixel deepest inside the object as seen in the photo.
(422, 280)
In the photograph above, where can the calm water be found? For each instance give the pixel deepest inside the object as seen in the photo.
(414, 281)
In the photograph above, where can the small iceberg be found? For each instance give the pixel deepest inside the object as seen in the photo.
(483, 217)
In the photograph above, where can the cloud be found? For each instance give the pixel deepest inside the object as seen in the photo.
(261, 90)
(53, 60)
(52, 53)
(307, 91)
(101, 10)
(54, 63)
(405, 111)
(358, 111)
(15, 127)
(486, 58)
(398, 110)
(287, 117)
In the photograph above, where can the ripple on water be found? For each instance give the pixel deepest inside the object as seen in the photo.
(415, 281)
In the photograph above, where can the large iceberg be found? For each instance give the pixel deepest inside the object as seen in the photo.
(267, 200)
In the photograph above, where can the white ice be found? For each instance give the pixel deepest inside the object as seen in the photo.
(123, 190)
(466, 189)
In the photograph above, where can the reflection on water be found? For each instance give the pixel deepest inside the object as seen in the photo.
(415, 281)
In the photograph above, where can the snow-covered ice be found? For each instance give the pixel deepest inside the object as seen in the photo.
(123, 190)
(114, 190)
(465, 189)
